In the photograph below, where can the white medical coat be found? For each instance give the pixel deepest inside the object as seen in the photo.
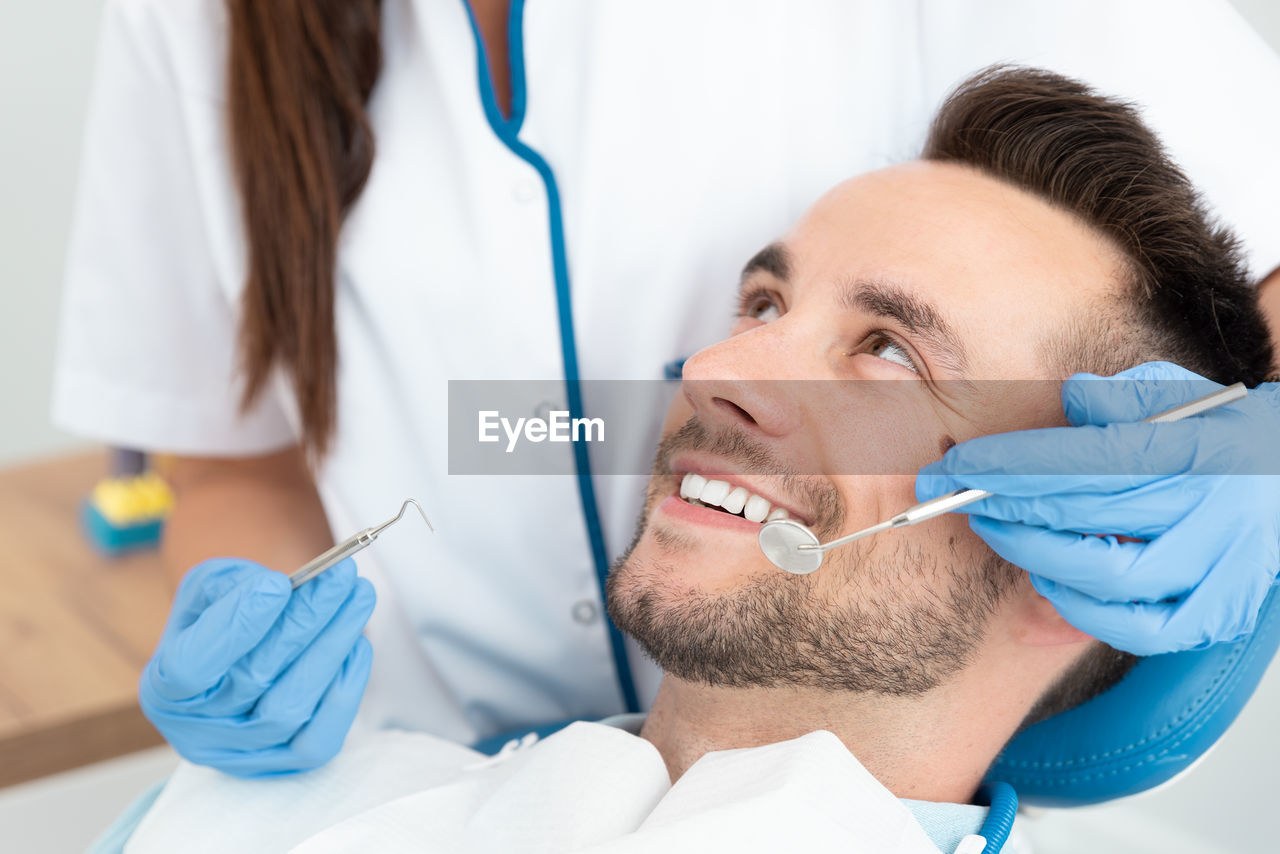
(683, 136)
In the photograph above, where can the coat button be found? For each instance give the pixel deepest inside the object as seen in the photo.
(585, 612)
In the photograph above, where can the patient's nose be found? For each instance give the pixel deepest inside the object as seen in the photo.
(745, 382)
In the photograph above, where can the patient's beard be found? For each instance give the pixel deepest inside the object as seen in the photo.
(896, 634)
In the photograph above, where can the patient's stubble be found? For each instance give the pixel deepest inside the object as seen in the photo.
(899, 621)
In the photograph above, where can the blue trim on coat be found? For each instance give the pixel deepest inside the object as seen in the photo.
(507, 130)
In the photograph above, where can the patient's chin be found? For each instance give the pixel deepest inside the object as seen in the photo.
(648, 572)
(772, 629)
(692, 633)
(676, 564)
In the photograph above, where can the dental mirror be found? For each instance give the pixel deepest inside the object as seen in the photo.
(781, 539)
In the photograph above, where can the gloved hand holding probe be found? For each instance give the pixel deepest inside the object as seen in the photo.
(251, 677)
(1201, 495)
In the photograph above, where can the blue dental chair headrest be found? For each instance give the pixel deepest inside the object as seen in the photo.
(1152, 725)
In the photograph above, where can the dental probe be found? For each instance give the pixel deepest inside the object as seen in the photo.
(352, 544)
(791, 546)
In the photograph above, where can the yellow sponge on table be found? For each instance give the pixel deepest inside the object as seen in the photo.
(128, 512)
(129, 500)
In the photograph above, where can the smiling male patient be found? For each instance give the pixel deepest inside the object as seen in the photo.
(1042, 234)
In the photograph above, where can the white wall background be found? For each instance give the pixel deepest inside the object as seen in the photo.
(46, 59)
(1265, 17)
(46, 56)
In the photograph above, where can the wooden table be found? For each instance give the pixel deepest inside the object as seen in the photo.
(75, 628)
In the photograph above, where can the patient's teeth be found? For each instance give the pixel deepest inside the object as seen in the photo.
(734, 501)
(714, 492)
(691, 486)
(757, 508)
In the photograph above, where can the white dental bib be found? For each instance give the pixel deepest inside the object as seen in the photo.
(590, 787)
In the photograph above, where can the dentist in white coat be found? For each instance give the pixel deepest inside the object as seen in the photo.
(331, 209)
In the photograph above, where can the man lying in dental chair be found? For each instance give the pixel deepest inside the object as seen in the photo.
(1042, 233)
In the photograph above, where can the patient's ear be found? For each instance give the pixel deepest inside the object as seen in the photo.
(1037, 623)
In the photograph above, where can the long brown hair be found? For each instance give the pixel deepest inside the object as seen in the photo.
(300, 73)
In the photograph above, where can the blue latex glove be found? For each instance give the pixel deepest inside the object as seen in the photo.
(252, 678)
(1202, 493)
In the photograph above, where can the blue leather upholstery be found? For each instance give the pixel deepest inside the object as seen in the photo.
(1148, 728)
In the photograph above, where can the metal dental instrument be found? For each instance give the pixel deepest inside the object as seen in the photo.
(350, 546)
(791, 546)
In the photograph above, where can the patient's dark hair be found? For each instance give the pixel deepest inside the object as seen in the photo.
(1186, 295)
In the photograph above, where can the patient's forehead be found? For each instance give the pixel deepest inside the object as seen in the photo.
(1005, 268)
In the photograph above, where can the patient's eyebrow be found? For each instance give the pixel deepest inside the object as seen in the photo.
(917, 316)
(774, 259)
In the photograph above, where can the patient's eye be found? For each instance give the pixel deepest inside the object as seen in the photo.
(882, 346)
(759, 304)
